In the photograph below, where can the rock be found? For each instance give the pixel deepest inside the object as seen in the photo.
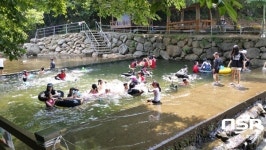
(32, 49)
(138, 54)
(164, 55)
(123, 49)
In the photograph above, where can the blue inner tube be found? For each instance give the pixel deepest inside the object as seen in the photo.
(205, 71)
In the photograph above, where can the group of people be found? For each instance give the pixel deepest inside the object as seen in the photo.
(204, 67)
(145, 64)
(100, 88)
(56, 98)
(238, 62)
(133, 89)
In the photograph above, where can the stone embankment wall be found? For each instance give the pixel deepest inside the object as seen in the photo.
(174, 46)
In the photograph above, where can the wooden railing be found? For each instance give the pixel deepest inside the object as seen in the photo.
(41, 140)
(205, 24)
(189, 25)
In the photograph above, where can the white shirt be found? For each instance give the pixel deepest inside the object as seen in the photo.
(157, 94)
(1, 62)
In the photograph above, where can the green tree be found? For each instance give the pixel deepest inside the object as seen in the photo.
(223, 6)
(141, 11)
(18, 17)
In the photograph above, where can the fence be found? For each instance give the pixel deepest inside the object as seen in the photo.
(61, 29)
(254, 29)
(215, 29)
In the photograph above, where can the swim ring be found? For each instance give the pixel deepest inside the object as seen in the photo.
(224, 70)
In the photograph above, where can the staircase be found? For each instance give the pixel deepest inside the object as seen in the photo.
(98, 39)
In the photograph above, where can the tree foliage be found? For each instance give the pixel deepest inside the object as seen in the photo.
(224, 7)
(18, 16)
(141, 11)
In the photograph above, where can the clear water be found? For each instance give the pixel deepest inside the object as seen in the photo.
(119, 121)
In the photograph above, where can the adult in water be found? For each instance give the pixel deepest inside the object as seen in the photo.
(236, 63)
(52, 64)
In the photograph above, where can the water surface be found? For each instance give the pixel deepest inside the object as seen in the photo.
(120, 121)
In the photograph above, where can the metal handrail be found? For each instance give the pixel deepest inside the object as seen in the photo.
(68, 28)
(90, 33)
(92, 43)
(60, 29)
(98, 27)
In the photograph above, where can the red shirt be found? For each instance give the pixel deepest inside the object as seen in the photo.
(195, 69)
(62, 76)
(153, 63)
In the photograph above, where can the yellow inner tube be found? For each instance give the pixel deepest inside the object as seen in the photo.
(225, 70)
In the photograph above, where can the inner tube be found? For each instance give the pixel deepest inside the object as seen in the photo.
(181, 75)
(68, 103)
(205, 71)
(43, 98)
(134, 92)
(61, 93)
(225, 70)
(127, 74)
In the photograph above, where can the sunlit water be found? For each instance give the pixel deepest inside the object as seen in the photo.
(119, 121)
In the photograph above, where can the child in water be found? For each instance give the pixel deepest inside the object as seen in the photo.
(50, 102)
(156, 92)
(94, 89)
(25, 76)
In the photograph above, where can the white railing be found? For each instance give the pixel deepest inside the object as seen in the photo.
(61, 29)
(68, 28)
(103, 34)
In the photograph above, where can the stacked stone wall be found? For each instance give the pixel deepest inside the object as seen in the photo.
(169, 47)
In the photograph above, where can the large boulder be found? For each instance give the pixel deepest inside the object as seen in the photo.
(32, 49)
(123, 49)
(253, 53)
(164, 55)
(138, 54)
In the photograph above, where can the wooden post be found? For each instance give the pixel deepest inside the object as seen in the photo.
(197, 17)
(167, 23)
(23, 135)
(47, 139)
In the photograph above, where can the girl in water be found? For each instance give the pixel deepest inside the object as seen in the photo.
(156, 92)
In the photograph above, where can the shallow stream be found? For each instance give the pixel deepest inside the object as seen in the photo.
(118, 121)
